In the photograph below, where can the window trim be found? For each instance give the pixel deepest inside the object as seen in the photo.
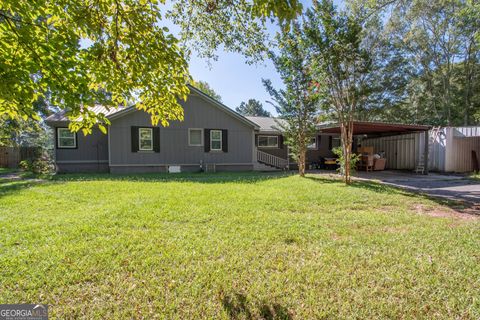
(201, 137)
(267, 147)
(309, 147)
(221, 140)
(140, 139)
(59, 146)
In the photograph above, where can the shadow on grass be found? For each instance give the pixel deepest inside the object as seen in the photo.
(9, 186)
(15, 180)
(367, 185)
(221, 177)
(238, 307)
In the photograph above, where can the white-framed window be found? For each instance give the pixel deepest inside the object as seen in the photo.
(66, 139)
(268, 141)
(313, 143)
(145, 139)
(195, 137)
(216, 140)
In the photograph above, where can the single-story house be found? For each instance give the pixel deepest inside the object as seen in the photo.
(212, 137)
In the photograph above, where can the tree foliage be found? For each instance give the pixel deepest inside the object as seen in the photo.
(26, 132)
(296, 104)
(237, 26)
(253, 108)
(206, 88)
(126, 54)
(340, 65)
(20, 132)
(78, 51)
(428, 52)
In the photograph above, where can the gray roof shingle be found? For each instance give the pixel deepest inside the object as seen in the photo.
(61, 115)
(266, 124)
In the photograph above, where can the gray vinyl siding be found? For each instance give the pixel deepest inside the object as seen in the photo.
(174, 148)
(313, 155)
(92, 148)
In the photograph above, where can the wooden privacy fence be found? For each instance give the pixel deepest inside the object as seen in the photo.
(11, 156)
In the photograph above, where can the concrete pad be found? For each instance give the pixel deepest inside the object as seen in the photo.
(448, 186)
(453, 187)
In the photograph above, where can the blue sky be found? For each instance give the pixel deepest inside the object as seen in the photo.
(234, 80)
(229, 75)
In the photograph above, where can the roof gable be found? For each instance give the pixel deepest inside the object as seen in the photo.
(223, 107)
(115, 113)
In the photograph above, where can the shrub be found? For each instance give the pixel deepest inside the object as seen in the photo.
(25, 165)
(41, 165)
(338, 151)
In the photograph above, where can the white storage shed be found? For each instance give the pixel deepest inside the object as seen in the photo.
(450, 149)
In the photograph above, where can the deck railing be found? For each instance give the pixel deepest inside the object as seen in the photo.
(271, 160)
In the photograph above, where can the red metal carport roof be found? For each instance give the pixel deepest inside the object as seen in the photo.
(365, 127)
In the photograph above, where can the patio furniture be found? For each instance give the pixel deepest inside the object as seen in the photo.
(366, 162)
(379, 164)
(365, 150)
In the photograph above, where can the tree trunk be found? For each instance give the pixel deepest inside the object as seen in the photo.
(350, 143)
(347, 139)
(347, 166)
(301, 162)
(468, 66)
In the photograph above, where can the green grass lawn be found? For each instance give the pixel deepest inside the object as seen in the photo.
(233, 246)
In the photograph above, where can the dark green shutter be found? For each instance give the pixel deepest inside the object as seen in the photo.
(156, 139)
(280, 142)
(225, 140)
(134, 138)
(206, 139)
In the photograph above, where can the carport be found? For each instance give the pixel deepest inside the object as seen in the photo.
(363, 130)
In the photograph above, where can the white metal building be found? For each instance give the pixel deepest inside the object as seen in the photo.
(450, 151)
